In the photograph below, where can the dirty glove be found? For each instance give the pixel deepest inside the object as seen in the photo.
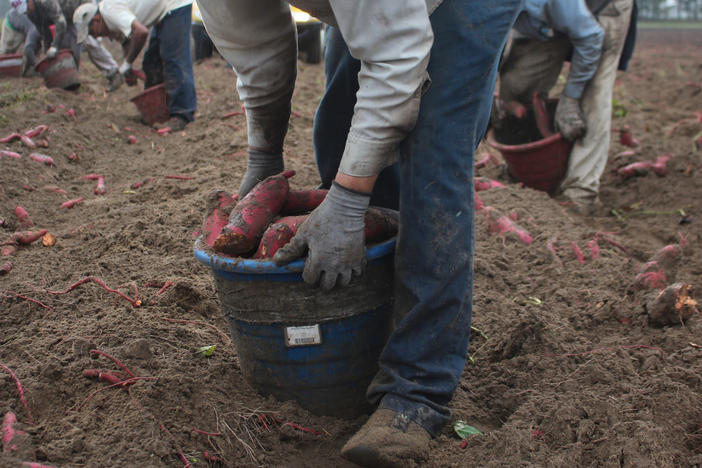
(570, 120)
(51, 53)
(260, 166)
(334, 238)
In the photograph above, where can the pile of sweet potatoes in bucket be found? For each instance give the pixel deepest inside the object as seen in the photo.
(262, 222)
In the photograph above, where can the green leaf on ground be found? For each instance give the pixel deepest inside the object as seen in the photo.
(464, 430)
(207, 351)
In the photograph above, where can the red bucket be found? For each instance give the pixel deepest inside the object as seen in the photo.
(152, 104)
(540, 165)
(11, 65)
(60, 72)
(537, 162)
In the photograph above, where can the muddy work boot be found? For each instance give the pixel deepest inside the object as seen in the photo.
(387, 440)
(114, 81)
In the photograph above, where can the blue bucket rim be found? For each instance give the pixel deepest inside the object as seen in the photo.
(219, 262)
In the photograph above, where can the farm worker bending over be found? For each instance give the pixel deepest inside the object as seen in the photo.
(427, 74)
(167, 57)
(18, 29)
(59, 14)
(593, 34)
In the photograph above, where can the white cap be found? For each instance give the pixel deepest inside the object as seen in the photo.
(19, 5)
(82, 17)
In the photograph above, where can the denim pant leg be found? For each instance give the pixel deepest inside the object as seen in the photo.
(424, 357)
(173, 34)
(333, 120)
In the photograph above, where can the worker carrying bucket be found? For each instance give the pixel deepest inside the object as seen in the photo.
(597, 37)
(385, 102)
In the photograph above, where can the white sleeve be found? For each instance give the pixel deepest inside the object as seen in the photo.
(117, 16)
(392, 39)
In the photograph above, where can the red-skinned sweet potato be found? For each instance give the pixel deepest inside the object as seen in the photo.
(252, 215)
(218, 207)
(302, 201)
(27, 237)
(380, 224)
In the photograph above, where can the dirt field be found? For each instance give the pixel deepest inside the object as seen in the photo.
(568, 371)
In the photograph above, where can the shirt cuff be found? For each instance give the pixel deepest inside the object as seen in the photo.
(364, 158)
(574, 90)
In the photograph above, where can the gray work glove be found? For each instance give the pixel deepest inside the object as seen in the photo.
(570, 119)
(334, 238)
(261, 165)
(51, 53)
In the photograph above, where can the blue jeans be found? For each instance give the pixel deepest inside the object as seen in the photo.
(167, 60)
(424, 357)
(333, 120)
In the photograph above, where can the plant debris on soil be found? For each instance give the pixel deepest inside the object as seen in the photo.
(565, 367)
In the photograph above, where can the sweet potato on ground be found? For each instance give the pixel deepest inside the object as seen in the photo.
(251, 215)
(502, 225)
(672, 306)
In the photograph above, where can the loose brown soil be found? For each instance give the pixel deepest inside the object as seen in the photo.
(567, 373)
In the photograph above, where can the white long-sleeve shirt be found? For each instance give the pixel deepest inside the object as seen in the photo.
(391, 38)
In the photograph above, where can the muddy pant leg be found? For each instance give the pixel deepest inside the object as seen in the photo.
(174, 49)
(151, 64)
(532, 66)
(101, 58)
(588, 157)
(424, 357)
(333, 120)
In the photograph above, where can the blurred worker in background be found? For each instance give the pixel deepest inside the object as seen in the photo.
(17, 31)
(425, 84)
(592, 35)
(54, 21)
(167, 57)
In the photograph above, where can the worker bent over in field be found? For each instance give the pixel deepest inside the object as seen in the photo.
(167, 57)
(426, 79)
(592, 35)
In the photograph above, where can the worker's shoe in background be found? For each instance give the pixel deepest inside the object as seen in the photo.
(388, 439)
(176, 123)
(582, 204)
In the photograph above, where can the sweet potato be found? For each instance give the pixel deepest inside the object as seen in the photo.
(27, 237)
(380, 224)
(36, 131)
(5, 268)
(543, 120)
(660, 268)
(100, 186)
(23, 217)
(131, 139)
(8, 250)
(484, 183)
(252, 215)
(218, 207)
(672, 306)
(111, 377)
(28, 142)
(634, 169)
(10, 154)
(71, 203)
(42, 158)
(626, 138)
(660, 164)
(502, 225)
(10, 138)
(302, 201)
(9, 432)
(277, 235)
(478, 202)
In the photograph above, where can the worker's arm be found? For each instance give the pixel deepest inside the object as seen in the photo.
(135, 41)
(573, 18)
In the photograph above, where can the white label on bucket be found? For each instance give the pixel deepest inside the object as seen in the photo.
(303, 336)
